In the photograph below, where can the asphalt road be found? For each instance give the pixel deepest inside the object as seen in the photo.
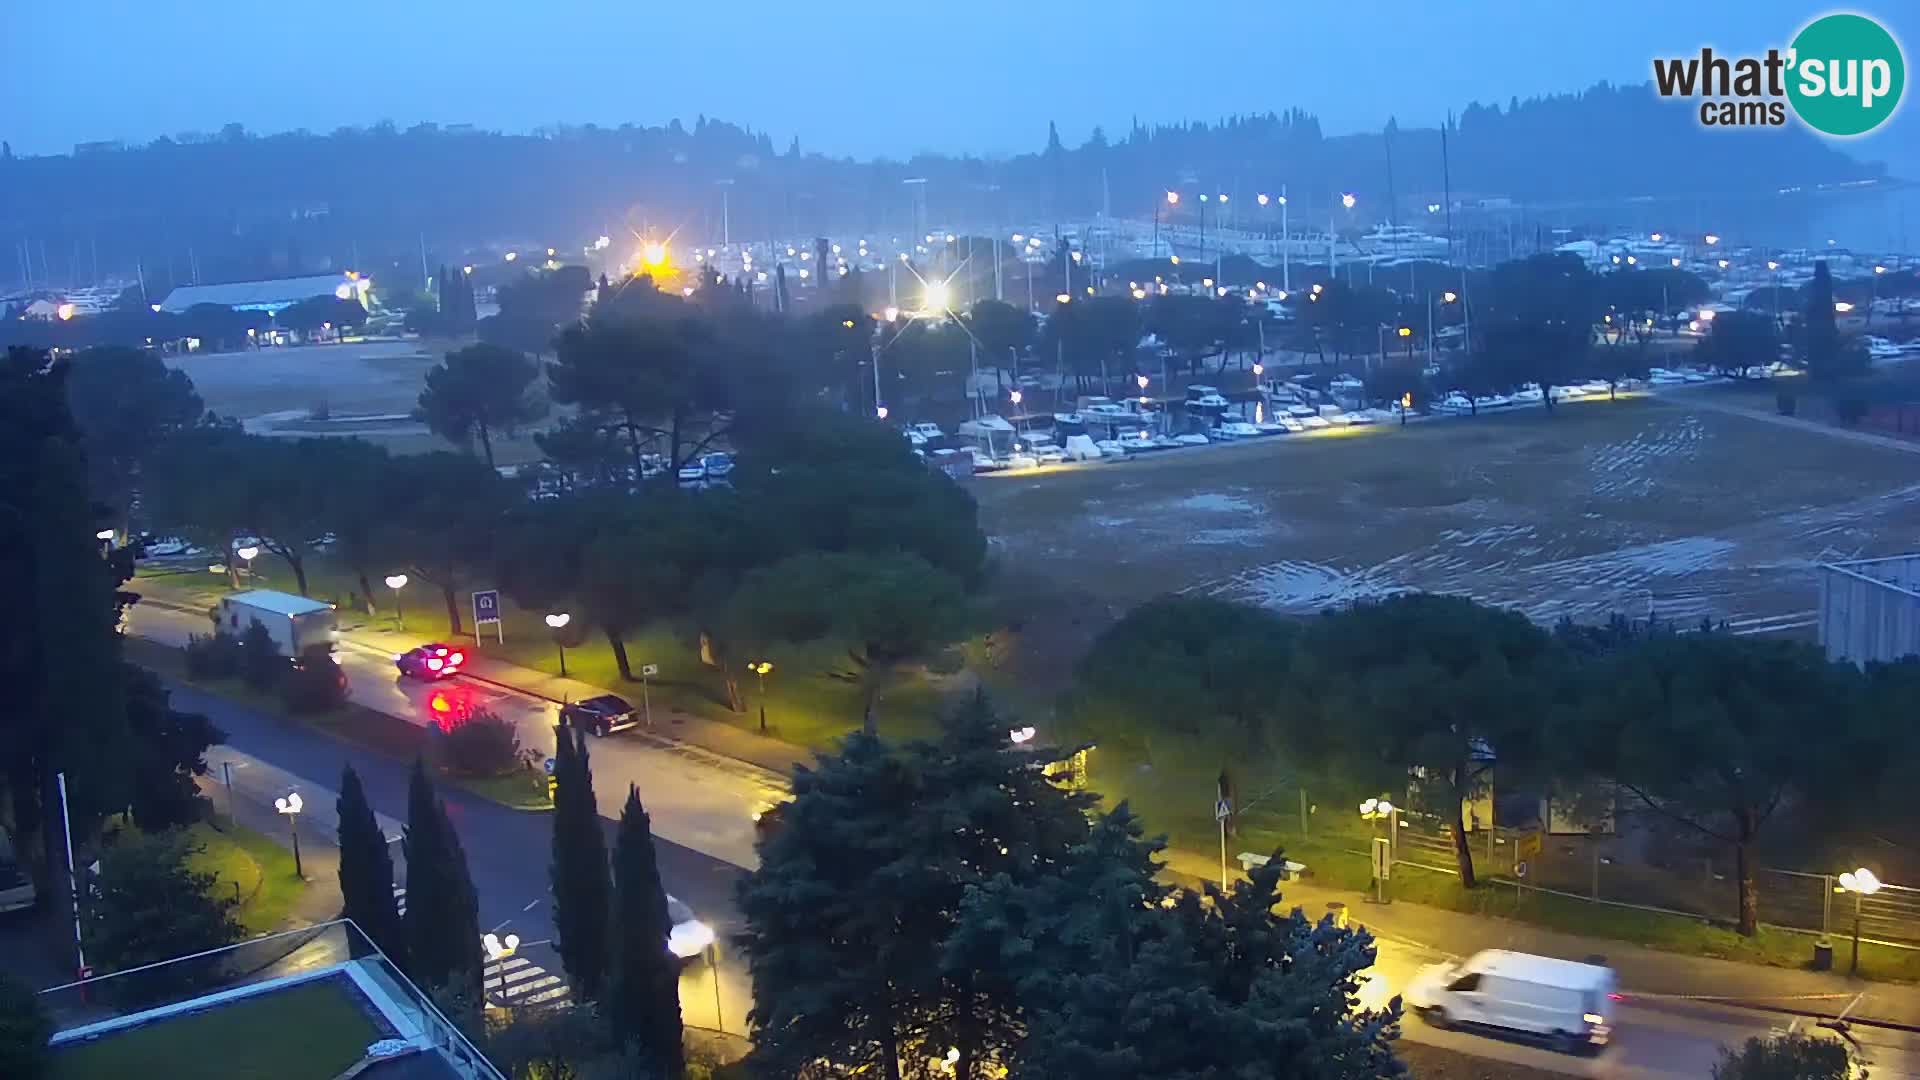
(701, 806)
(698, 800)
(507, 850)
(1655, 1039)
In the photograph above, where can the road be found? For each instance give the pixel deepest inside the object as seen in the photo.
(507, 850)
(701, 805)
(1656, 1038)
(698, 800)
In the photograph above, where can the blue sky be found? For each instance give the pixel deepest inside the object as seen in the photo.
(848, 76)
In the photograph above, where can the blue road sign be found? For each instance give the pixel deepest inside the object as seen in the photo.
(486, 606)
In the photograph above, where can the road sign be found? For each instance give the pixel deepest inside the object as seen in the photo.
(649, 670)
(1222, 810)
(550, 763)
(486, 609)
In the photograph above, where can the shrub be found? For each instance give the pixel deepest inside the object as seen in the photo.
(314, 684)
(1785, 403)
(261, 664)
(24, 1031)
(1786, 1057)
(150, 906)
(483, 746)
(216, 657)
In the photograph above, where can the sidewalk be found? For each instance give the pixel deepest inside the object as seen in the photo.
(1644, 972)
(247, 803)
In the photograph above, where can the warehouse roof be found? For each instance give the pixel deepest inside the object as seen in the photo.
(256, 295)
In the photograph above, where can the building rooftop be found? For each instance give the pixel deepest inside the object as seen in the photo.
(269, 295)
(316, 1003)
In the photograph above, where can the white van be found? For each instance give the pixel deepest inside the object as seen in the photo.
(1568, 1003)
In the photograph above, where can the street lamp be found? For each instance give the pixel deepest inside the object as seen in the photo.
(1861, 883)
(1712, 239)
(1346, 199)
(762, 668)
(558, 621)
(396, 582)
(103, 535)
(291, 804)
(1014, 396)
(247, 555)
(881, 412)
(1021, 735)
(1381, 810)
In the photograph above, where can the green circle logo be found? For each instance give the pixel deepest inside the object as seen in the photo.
(1846, 76)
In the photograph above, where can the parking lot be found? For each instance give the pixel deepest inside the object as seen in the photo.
(1596, 508)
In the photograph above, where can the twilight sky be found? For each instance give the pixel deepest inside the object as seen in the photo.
(856, 77)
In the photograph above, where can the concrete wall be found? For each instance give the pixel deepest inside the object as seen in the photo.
(1870, 610)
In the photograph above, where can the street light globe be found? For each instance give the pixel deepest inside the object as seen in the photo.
(396, 581)
(1655, 237)
(1282, 200)
(1261, 198)
(1712, 239)
(1449, 297)
(1879, 269)
(559, 619)
(1259, 369)
(1860, 881)
(1723, 264)
(1433, 208)
(103, 534)
(1771, 265)
(1676, 260)
(1014, 396)
(937, 296)
(290, 803)
(1223, 197)
(892, 314)
(1063, 298)
(881, 412)
(1142, 380)
(1347, 200)
(1173, 198)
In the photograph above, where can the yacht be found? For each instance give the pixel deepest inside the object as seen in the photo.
(1402, 242)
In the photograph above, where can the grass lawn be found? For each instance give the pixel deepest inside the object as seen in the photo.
(313, 1031)
(253, 868)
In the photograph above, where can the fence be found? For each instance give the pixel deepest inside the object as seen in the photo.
(1597, 868)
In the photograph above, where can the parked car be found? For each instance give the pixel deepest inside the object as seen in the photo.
(601, 715)
(1567, 1003)
(430, 661)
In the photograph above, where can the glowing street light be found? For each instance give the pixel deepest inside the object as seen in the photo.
(892, 314)
(103, 535)
(762, 668)
(247, 554)
(1433, 208)
(1259, 369)
(1261, 198)
(1014, 396)
(1862, 884)
(1712, 239)
(1655, 237)
(1173, 198)
(937, 296)
(1676, 260)
(881, 412)
(1723, 264)
(291, 804)
(1449, 297)
(1021, 735)
(1879, 269)
(558, 621)
(512, 255)
(396, 582)
(1063, 298)
(1842, 306)
(498, 948)
(1772, 265)
(1347, 200)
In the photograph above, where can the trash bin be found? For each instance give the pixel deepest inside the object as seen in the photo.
(1337, 911)
(1823, 955)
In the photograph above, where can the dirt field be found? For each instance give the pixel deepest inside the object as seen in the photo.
(1600, 507)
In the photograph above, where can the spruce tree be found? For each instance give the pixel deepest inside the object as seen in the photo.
(443, 912)
(643, 1001)
(582, 891)
(366, 871)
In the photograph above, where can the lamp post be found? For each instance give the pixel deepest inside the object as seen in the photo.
(247, 555)
(1173, 199)
(1377, 810)
(558, 621)
(105, 536)
(1862, 884)
(396, 582)
(762, 668)
(291, 804)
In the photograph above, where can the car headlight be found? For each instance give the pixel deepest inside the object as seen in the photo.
(689, 939)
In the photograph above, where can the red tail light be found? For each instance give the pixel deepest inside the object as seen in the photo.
(1616, 997)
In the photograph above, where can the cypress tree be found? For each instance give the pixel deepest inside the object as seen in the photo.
(366, 871)
(443, 911)
(578, 873)
(1822, 331)
(643, 1004)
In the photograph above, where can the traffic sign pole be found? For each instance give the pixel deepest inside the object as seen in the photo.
(1222, 810)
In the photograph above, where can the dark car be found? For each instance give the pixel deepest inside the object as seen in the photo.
(599, 715)
(432, 661)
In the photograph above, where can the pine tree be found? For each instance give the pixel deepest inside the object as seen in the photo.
(643, 1003)
(366, 871)
(1823, 334)
(582, 890)
(443, 910)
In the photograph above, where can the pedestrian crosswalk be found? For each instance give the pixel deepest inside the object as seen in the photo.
(519, 981)
(512, 980)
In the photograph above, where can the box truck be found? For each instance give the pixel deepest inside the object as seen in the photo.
(295, 623)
